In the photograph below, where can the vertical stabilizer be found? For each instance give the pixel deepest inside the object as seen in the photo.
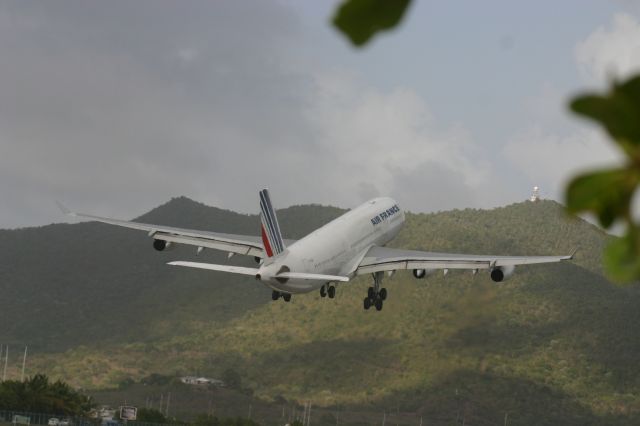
(271, 236)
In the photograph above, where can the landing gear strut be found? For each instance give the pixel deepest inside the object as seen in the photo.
(328, 290)
(375, 295)
(275, 295)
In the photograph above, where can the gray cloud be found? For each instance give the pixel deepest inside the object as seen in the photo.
(114, 107)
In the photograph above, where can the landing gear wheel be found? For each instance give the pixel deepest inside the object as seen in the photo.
(275, 295)
(331, 292)
(379, 304)
(383, 294)
(323, 291)
(375, 294)
(371, 293)
(367, 303)
(286, 297)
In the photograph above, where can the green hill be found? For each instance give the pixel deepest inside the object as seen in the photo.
(555, 344)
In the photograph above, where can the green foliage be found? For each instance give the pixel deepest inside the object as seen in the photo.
(126, 383)
(538, 345)
(37, 394)
(232, 379)
(208, 420)
(618, 112)
(89, 283)
(360, 20)
(150, 415)
(609, 193)
(156, 379)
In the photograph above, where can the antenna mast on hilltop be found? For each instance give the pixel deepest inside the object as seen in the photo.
(535, 195)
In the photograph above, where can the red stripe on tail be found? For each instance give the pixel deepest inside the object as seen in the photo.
(265, 243)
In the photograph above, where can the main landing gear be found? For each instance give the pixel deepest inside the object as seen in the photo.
(328, 290)
(376, 295)
(275, 295)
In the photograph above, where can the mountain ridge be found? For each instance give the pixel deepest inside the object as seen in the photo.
(550, 328)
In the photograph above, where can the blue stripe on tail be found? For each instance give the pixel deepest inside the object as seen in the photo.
(270, 223)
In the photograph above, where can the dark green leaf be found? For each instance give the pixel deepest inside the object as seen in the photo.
(606, 193)
(618, 111)
(622, 259)
(359, 20)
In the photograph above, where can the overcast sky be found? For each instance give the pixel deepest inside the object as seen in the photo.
(115, 107)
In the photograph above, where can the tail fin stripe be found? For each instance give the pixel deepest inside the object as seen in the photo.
(274, 222)
(265, 243)
(270, 226)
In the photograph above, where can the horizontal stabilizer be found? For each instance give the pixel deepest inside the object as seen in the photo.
(213, 267)
(312, 277)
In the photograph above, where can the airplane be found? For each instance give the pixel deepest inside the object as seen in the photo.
(349, 246)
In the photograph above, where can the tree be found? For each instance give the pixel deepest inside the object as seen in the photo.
(150, 415)
(38, 394)
(232, 379)
(608, 193)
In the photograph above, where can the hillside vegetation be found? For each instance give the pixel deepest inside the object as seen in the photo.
(554, 344)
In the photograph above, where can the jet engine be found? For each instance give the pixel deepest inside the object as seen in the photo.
(422, 273)
(501, 273)
(161, 245)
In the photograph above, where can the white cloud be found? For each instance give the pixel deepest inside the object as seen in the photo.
(550, 160)
(556, 146)
(612, 52)
(388, 143)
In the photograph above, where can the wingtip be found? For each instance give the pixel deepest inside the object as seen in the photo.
(573, 253)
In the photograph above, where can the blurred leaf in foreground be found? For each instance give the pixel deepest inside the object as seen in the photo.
(609, 193)
(359, 20)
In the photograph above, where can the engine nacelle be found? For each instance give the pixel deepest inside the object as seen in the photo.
(501, 273)
(161, 245)
(422, 273)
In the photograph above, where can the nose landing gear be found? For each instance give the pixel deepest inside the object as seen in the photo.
(375, 295)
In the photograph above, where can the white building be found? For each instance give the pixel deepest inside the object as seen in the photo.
(193, 380)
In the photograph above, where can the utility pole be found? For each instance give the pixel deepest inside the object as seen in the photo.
(161, 401)
(506, 417)
(304, 414)
(309, 415)
(249, 415)
(6, 359)
(384, 418)
(24, 362)
(167, 407)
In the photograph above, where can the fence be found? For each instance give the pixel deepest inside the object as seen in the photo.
(7, 417)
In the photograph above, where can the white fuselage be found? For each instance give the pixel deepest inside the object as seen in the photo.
(336, 248)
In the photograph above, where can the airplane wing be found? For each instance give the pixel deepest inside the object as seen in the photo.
(232, 243)
(390, 259)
